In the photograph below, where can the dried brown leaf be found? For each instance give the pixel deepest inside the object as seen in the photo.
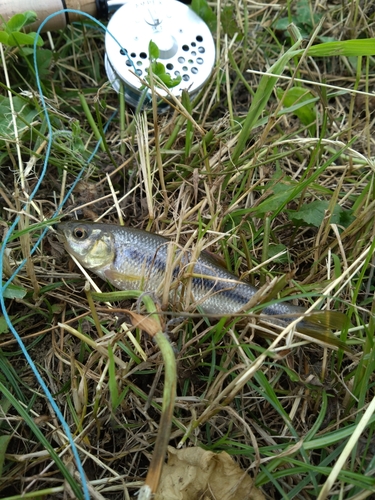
(145, 323)
(194, 473)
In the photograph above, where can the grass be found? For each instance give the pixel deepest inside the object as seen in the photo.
(271, 167)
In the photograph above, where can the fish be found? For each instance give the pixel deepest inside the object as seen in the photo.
(134, 259)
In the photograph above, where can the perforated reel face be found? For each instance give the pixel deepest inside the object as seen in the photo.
(185, 44)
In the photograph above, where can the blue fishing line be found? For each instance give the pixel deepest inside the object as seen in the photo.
(12, 227)
(66, 197)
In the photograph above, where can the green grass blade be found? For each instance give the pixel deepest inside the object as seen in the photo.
(42, 439)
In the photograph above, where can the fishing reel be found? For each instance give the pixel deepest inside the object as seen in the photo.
(186, 47)
(185, 44)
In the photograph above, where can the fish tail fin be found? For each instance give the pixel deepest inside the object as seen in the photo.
(319, 325)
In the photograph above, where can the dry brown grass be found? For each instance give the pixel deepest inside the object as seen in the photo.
(286, 414)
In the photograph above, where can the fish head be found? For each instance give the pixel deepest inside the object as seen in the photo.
(90, 244)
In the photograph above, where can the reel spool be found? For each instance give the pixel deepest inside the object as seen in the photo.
(184, 40)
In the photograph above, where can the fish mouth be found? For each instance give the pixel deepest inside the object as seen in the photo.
(59, 231)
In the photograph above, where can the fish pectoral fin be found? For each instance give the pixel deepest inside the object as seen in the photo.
(112, 276)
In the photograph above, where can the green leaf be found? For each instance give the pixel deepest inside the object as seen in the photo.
(294, 377)
(4, 441)
(153, 50)
(4, 328)
(229, 23)
(43, 58)
(169, 81)
(282, 191)
(158, 69)
(22, 108)
(14, 292)
(304, 19)
(204, 11)
(4, 37)
(282, 24)
(39, 39)
(16, 22)
(312, 214)
(295, 97)
(28, 51)
(304, 15)
(30, 16)
(346, 217)
(19, 38)
(275, 249)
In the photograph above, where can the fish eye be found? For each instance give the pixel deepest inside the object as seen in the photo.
(80, 233)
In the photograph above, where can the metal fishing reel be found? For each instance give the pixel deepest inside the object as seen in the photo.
(186, 47)
(184, 41)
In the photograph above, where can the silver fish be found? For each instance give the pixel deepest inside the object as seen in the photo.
(132, 259)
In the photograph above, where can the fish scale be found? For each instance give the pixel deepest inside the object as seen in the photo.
(139, 262)
(133, 259)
